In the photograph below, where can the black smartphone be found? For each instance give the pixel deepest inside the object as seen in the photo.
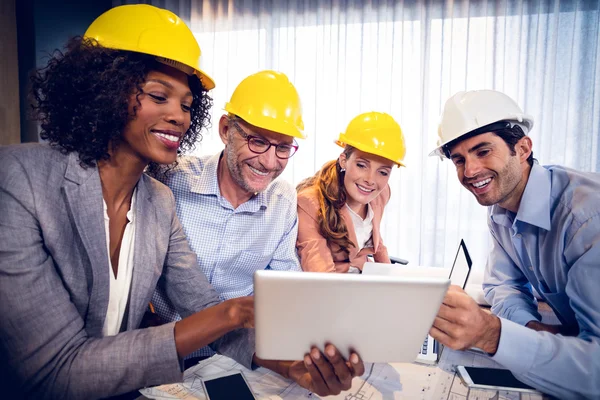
(492, 378)
(228, 386)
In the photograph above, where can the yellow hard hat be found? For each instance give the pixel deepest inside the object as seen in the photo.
(268, 99)
(150, 30)
(375, 133)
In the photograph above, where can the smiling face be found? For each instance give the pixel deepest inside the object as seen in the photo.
(250, 171)
(487, 167)
(161, 119)
(365, 177)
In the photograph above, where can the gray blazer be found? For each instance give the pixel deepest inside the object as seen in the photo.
(54, 282)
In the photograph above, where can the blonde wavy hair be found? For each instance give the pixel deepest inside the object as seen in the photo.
(328, 183)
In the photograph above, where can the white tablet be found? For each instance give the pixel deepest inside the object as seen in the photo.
(373, 268)
(382, 318)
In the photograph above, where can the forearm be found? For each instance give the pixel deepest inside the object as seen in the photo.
(564, 367)
(511, 303)
(540, 327)
(554, 329)
(205, 327)
(506, 289)
(382, 255)
(317, 264)
(281, 367)
(315, 256)
(87, 368)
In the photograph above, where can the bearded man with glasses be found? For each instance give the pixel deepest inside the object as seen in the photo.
(237, 217)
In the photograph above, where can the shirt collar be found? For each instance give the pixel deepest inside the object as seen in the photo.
(369, 216)
(534, 208)
(260, 199)
(131, 212)
(207, 183)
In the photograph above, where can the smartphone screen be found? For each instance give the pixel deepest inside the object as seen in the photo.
(495, 377)
(228, 387)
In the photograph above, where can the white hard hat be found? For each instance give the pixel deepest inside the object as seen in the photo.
(467, 111)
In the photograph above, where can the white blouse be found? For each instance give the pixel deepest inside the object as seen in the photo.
(363, 229)
(121, 284)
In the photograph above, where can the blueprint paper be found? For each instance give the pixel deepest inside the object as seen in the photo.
(450, 387)
(380, 381)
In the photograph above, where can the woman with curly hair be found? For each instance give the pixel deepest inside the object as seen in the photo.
(341, 206)
(85, 235)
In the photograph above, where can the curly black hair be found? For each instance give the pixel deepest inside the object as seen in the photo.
(81, 99)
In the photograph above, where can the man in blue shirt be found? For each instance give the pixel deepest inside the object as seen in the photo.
(545, 226)
(237, 217)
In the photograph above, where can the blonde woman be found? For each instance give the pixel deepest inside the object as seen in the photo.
(340, 208)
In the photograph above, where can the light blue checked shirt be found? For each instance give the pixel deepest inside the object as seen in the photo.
(552, 244)
(231, 243)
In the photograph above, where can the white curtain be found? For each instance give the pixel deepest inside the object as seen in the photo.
(406, 58)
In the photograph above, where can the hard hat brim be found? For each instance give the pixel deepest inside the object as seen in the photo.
(358, 146)
(525, 119)
(270, 124)
(207, 82)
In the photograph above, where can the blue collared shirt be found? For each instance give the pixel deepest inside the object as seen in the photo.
(553, 245)
(231, 243)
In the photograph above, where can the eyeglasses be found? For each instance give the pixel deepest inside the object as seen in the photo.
(260, 145)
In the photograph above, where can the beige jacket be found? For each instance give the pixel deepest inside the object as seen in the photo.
(319, 256)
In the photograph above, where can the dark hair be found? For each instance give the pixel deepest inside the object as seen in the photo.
(331, 194)
(503, 129)
(81, 99)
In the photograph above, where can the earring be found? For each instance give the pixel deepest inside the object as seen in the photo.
(343, 170)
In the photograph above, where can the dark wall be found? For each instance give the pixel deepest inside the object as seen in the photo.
(10, 130)
(42, 27)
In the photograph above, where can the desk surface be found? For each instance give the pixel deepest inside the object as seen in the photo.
(380, 381)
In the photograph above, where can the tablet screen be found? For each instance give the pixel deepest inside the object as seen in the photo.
(461, 267)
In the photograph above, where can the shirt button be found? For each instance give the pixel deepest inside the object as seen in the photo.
(518, 236)
(531, 268)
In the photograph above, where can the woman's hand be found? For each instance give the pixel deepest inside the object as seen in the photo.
(241, 311)
(206, 326)
(324, 374)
